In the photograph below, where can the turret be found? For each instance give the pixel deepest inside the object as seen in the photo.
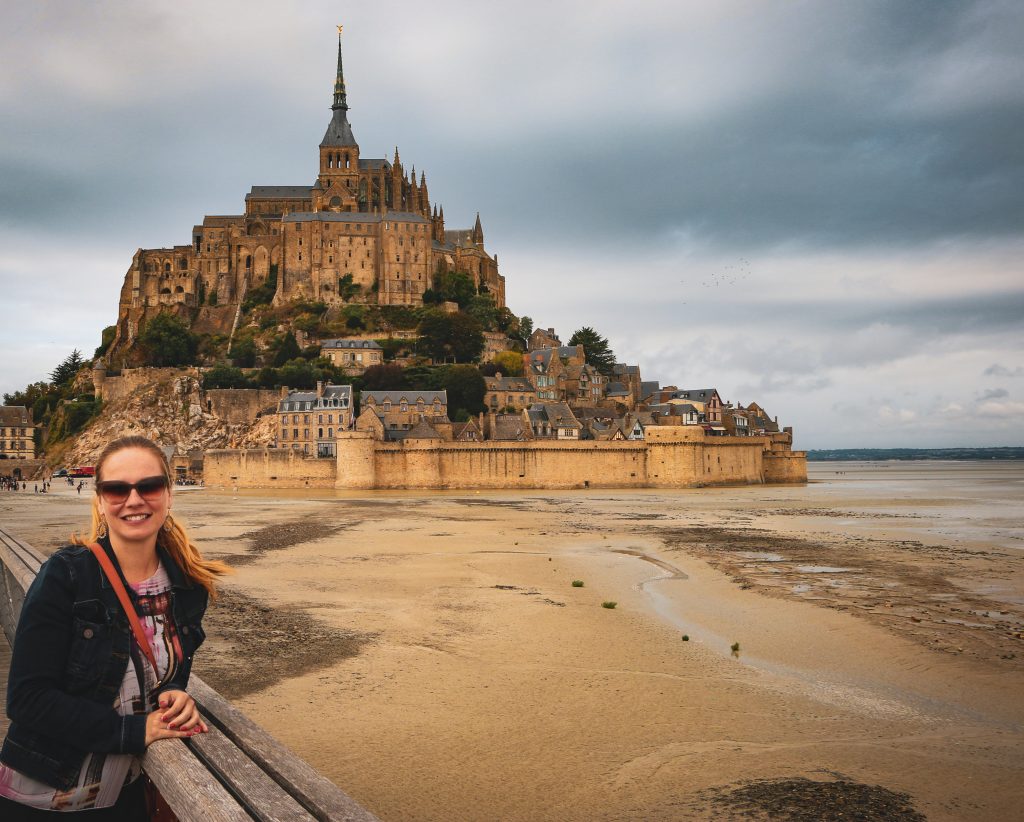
(339, 152)
(478, 232)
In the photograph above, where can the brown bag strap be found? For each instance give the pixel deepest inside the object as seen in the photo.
(126, 603)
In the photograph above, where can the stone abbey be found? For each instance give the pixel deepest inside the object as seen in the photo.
(364, 230)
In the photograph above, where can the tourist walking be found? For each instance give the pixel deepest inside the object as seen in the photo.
(132, 595)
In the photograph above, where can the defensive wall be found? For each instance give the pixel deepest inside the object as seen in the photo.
(24, 469)
(670, 457)
(240, 406)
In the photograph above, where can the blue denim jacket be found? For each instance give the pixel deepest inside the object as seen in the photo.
(71, 651)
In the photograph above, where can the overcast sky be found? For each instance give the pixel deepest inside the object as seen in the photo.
(815, 205)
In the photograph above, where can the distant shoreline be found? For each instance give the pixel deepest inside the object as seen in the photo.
(1006, 453)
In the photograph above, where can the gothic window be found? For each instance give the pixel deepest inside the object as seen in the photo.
(248, 261)
(167, 267)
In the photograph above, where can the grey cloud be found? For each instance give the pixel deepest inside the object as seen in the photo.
(994, 394)
(997, 370)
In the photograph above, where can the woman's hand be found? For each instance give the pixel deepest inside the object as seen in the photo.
(176, 718)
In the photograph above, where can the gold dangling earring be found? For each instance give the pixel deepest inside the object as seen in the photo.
(168, 525)
(101, 529)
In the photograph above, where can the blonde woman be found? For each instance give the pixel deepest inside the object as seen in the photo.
(85, 696)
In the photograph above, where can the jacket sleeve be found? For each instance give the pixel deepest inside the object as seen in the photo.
(36, 697)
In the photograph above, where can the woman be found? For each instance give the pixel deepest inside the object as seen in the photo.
(83, 697)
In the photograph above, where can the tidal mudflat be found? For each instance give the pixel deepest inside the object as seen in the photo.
(850, 644)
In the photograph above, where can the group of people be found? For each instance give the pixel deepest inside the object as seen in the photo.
(12, 484)
(103, 650)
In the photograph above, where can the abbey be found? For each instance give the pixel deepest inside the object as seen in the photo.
(364, 230)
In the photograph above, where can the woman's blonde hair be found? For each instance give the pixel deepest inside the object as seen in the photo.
(175, 541)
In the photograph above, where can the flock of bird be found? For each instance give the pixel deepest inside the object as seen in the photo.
(728, 276)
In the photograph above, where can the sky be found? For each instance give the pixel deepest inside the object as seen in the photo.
(816, 206)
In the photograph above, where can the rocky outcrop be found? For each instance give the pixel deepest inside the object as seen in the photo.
(170, 410)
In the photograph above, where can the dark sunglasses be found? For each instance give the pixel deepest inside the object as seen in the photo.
(117, 491)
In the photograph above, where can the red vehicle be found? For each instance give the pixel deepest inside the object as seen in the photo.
(82, 471)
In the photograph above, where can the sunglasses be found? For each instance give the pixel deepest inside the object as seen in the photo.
(117, 491)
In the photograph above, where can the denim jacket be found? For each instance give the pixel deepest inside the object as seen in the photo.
(71, 651)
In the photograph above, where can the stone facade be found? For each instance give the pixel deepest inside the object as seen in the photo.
(352, 356)
(365, 230)
(16, 432)
(669, 457)
(309, 421)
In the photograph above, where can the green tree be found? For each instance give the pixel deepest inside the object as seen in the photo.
(525, 327)
(224, 376)
(30, 395)
(595, 349)
(347, 289)
(106, 338)
(482, 307)
(64, 374)
(451, 336)
(454, 286)
(243, 352)
(287, 349)
(510, 363)
(384, 377)
(166, 341)
(466, 389)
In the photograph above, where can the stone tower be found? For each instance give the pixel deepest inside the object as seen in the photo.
(338, 186)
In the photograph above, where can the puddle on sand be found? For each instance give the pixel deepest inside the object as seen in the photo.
(822, 569)
(761, 556)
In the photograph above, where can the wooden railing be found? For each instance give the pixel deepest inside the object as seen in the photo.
(237, 771)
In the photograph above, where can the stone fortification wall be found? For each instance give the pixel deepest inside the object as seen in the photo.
(671, 457)
(111, 389)
(25, 469)
(239, 406)
(537, 464)
(267, 468)
(785, 466)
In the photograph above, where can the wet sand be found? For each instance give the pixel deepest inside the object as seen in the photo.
(429, 653)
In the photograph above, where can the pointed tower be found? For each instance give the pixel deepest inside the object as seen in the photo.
(424, 208)
(338, 181)
(478, 232)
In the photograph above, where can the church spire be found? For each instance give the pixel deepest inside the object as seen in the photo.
(340, 99)
(339, 132)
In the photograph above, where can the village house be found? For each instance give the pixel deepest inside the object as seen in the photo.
(16, 432)
(553, 420)
(352, 356)
(544, 369)
(628, 376)
(759, 422)
(543, 338)
(402, 410)
(505, 393)
(735, 421)
(582, 384)
(507, 427)
(309, 421)
(705, 400)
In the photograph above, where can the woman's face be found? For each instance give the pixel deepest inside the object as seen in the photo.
(135, 519)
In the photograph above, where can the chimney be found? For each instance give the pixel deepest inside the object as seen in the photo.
(284, 392)
(319, 388)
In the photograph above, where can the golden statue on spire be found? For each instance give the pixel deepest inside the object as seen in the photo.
(340, 28)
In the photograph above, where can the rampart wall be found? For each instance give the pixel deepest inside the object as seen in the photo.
(132, 379)
(671, 457)
(267, 468)
(24, 469)
(239, 406)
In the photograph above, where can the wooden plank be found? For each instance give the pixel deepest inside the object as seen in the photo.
(188, 787)
(260, 795)
(321, 797)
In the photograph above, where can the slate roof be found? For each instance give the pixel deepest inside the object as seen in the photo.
(374, 163)
(649, 387)
(504, 383)
(409, 396)
(617, 389)
(14, 415)
(339, 132)
(558, 414)
(423, 430)
(349, 344)
(508, 427)
(540, 360)
(699, 394)
(459, 237)
(352, 217)
(279, 192)
(308, 400)
(622, 368)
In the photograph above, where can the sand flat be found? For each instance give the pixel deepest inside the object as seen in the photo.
(878, 614)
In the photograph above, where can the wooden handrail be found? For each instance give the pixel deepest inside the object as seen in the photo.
(237, 771)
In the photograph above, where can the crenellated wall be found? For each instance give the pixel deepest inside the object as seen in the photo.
(671, 457)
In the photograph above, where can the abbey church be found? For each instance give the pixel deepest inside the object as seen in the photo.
(365, 230)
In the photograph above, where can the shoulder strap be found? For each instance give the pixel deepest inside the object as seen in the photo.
(126, 603)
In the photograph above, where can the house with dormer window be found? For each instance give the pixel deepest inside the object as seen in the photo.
(309, 421)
